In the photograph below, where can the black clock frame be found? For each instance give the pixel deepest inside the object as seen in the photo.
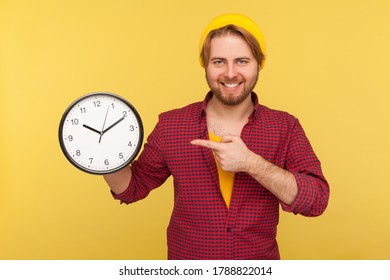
(127, 162)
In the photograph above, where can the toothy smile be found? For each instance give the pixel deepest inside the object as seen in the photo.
(231, 85)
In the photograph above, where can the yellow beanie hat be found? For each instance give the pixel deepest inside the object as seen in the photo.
(238, 20)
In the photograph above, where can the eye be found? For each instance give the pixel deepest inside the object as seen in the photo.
(218, 62)
(242, 61)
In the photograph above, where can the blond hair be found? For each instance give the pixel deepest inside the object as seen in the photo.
(234, 30)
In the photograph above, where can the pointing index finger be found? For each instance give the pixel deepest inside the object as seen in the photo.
(206, 144)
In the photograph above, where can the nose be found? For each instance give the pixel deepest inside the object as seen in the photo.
(231, 71)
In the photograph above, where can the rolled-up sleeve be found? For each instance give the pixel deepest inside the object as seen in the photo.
(313, 188)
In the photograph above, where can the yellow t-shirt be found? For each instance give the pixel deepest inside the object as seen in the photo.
(226, 179)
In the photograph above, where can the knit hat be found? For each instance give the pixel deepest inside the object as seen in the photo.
(238, 20)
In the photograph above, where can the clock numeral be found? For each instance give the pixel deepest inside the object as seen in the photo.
(70, 138)
(112, 104)
(106, 162)
(131, 127)
(130, 144)
(78, 153)
(83, 110)
(75, 122)
(90, 160)
(124, 114)
(120, 155)
(97, 103)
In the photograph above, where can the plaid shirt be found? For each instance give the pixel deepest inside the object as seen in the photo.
(201, 226)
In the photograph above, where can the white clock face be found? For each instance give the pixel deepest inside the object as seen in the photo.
(100, 133)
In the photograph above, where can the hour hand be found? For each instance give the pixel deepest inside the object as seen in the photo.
(91, 128)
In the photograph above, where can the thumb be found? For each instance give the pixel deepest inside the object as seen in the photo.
(229, 138)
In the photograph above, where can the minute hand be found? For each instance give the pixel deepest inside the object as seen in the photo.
(114, 124)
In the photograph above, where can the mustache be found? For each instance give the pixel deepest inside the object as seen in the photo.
(231, 81)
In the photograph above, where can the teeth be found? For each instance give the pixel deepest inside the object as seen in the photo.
(231, 85)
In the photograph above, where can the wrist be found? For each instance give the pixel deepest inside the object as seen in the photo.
(255, 164)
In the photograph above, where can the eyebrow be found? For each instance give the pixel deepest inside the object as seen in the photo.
(244, 57)
(217, 58)
(238, 58)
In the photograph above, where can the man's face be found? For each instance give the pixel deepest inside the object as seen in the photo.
(232, 70)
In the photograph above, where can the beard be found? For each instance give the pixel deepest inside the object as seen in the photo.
(228, 98)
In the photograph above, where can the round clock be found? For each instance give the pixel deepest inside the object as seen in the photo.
(100, 133)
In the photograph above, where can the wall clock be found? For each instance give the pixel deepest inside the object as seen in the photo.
(100, 133)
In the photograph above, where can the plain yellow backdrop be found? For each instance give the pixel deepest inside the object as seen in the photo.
(328, 64)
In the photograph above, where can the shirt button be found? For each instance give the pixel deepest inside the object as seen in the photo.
(229, 229)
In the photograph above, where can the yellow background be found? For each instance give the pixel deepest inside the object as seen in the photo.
(328, 64)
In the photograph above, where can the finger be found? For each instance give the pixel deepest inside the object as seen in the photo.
(206, 144)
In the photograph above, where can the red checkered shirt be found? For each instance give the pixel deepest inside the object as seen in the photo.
(201, 226)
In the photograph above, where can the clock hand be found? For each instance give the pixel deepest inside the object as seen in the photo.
(91, 128)
(105, 117)
(101, 133)
(114, 124)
